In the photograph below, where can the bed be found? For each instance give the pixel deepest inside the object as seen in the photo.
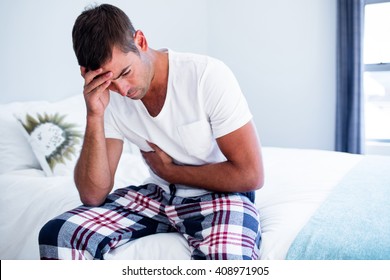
(314, 204)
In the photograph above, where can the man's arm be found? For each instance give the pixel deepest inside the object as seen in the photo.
(241, 172)
(95, 169)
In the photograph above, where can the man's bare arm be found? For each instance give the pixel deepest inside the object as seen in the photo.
(241, 172)
(95, 169)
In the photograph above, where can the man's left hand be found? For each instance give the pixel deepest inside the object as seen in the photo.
(158, 160)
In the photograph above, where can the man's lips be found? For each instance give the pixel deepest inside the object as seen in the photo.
(132, 93)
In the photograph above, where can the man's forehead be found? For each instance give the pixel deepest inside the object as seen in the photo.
(119, 63)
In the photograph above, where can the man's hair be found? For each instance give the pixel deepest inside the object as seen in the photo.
(97, 30)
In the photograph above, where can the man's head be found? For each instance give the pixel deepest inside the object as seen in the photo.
(95, 33)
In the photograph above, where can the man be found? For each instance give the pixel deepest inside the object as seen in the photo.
(192, 124)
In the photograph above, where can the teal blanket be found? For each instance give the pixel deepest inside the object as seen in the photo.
(354, 221)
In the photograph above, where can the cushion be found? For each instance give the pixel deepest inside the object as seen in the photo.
(15, 152)
(55, 142)
(28, 125)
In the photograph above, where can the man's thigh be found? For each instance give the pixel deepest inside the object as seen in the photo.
(219, 226)
(90, 232)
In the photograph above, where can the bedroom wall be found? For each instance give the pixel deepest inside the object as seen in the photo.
(282, 51)
(37, 58)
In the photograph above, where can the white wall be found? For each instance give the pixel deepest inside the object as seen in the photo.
(282, 51)
(36, 45)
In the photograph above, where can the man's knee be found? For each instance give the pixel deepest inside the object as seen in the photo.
(49, 232)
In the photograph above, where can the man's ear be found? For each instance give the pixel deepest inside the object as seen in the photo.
(140, 40)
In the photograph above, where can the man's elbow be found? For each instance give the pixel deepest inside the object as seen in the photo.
(255, 180)
(91, 194)
(92, 201)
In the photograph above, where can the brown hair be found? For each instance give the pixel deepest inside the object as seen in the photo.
(97, 30)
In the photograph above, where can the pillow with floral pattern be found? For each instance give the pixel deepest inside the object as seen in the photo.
(55, 141)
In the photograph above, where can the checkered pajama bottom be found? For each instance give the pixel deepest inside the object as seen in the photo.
(216, 225)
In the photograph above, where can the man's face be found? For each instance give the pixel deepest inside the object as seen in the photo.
(132, 73)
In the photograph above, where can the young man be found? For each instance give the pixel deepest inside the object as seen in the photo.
(192, 124)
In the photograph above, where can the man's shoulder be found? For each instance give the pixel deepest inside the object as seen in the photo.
(188, 57)
(194, 61)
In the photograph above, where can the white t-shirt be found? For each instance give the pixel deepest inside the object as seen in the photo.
(203, 102)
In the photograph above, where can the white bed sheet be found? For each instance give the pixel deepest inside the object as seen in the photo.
(297, 182)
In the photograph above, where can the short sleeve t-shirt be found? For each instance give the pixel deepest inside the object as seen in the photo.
(203, 102)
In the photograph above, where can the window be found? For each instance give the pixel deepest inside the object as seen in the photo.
(376, 81)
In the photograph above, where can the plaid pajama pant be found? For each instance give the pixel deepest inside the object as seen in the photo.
(216, 225)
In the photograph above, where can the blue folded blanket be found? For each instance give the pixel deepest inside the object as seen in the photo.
(354, 221)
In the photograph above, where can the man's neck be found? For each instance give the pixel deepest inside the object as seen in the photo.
(155, 98)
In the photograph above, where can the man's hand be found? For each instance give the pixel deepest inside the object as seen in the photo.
(159, 161)
(96, 92)
(241, 172)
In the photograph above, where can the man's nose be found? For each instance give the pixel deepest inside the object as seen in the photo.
(119, 87)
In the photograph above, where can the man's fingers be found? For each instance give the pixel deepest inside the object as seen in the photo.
(98, 82)
(154, 146)
(99, 89)
(89, 76)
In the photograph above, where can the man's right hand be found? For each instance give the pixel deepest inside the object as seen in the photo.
(96, 93)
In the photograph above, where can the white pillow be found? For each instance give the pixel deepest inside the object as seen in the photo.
(70, 113)
(15, 152)
(55, 142)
